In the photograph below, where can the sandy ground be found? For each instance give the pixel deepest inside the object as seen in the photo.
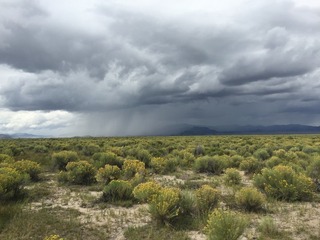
(300, 220)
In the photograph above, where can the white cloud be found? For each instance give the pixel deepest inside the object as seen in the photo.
(39, 122)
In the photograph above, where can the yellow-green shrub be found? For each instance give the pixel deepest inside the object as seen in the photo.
(131, 167)
(143, 156)
(108, 173)
(53, 237)
(164, 206)
(283, 183)
(80, 172)
(187, 204)
(185, 158)
(261, 154)
(61, 159)
(207, 198)
(4, 158)
(162, 165)
(232, 176)
(250, 165)
(31, 168)
(314, 169)
(145, 191)
(273, 161)
(102, 158)
(225, 225)
(11, 182)
(90, 149)
(235, 161)
(215, 164)
(250, 199)
(117, 190)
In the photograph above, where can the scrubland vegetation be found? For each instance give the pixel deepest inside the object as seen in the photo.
(215, 187)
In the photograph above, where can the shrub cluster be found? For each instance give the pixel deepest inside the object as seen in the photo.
(283, 183)
(232, 176)
(132, 167)
(250, 165)
(53, 237)
(81, 172)
(102, 158)
(162, 165)
(314, 169)
(224, 225)
(250, 199)
(32, 169)
(61, 159)
(108, 173)
(117, 190)
(145, 191)
(164, 206)
(207, 199)
(207, 164)
(11, 182)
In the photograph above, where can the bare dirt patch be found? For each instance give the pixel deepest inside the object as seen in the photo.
(112, 218)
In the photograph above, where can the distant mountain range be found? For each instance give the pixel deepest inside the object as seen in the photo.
(20, 135)
(193, 130)
(273, 129)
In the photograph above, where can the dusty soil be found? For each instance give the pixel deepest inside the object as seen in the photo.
(297, 220)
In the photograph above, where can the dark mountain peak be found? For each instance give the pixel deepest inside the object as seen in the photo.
(197, 130)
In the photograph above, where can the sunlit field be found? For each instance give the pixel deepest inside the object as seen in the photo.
(208, 187)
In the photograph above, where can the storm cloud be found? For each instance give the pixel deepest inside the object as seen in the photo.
(122, 68)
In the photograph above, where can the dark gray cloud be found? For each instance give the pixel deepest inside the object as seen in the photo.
(114, 61)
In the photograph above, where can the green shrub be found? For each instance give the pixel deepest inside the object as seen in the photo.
(143, 156)
(207, 199)
(313, 169)
(31, 168)
(250, 199)
(131, 167)
(283, 183)
(273, 161)
(232, 176)
(103, 158)
(235, 161)
(261, 154)
(164, 206)
(4, 158)
(117, 190)
(215, 164)
(250, 165)
(137, 179)
(108, 173)
(187, 203)
(40, 149)
(11, 182)
(81, 172)
(61, 159)
(162, 165)
(309, 149)
(225, 225)
(90, 149)
(187, 159)
(269, 229)
(145, 191)
(280, 153)
(53, 237)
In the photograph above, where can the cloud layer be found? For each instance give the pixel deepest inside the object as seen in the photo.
(122, 67)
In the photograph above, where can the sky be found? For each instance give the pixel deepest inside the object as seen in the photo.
(122, 67)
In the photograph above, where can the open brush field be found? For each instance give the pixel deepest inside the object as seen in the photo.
(212, 187)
